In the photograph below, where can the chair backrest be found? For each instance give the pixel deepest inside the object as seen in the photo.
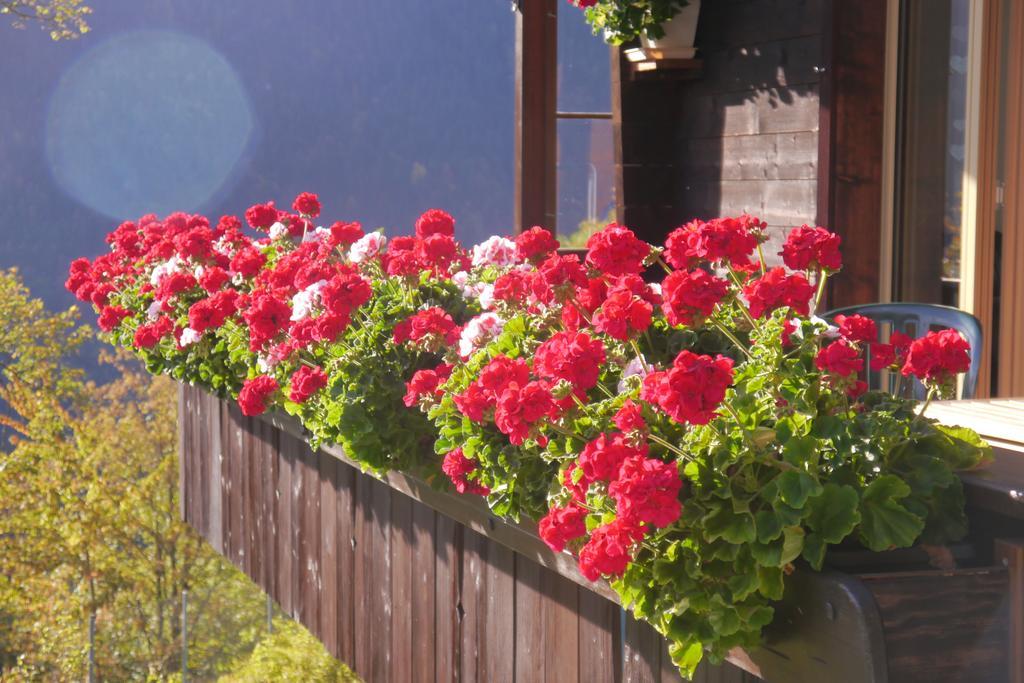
(915, 320)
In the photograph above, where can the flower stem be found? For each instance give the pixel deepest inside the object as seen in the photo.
(640, 356)
(927, 401)
(760, 257)
(739, 286)
(665, 266)
(724, 330)
(822, 279)
(662, 442)
(565, 432)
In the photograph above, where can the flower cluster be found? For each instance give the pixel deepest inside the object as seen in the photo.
(687, 440)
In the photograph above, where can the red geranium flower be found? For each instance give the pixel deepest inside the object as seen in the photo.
(572, 356)
(174, 283)
(692, 390)
(839, 358)
(519, 408)
(561, 525)
(808, 247)
(886, 355)
(629, 417)
(432, 328)
(248, 261)
(623, 314)
(535, 244)
(111, 317)
(305, 382)
(609, 550)
(213, 278)
(308, 204)
(261, 216)
(601, 458)
(458, 468)
(426, 383)
(345, 293)
(435, 222)
(254, 394)
(149, 335)
(776, 289)
(689, 296)
(719, 240)
(616, 250)
(857, 328)
(344, 234)
(938, 356)
(647, 490)
(266, 317)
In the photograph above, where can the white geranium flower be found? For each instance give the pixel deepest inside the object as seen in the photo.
(305, 301)
(169, 266)
(495, 251)
(153, 312)
(478, 331)
(317, 235)
(277, 230)
(189, 337)
(486, 297)
(633, 368)
(366, 247)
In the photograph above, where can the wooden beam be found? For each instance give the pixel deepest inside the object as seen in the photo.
(850, 149)
(1011, 315)
(984, 253)
(535, 105)
(1011, 554)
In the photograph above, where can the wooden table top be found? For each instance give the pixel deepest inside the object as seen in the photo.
(998, 486)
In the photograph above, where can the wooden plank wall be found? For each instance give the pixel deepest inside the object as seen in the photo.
(391, 587)
(743, 136)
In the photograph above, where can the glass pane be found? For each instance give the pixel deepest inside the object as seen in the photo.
(379, 107)
(931, 149)
(584, 65)
(586, 180)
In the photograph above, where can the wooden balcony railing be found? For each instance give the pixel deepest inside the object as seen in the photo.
(407, 583)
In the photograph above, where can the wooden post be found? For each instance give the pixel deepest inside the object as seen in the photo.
(535, 104)
(1011, 554)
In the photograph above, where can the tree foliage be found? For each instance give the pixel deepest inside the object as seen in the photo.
(64, 19)
(89, 520)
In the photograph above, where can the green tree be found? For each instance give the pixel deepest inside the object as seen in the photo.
(89, 521)
(64, 19)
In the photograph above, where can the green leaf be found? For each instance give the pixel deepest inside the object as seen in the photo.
(793, 544)
(966, 449)
(686, 656)
(729, 526)
(814, 550)
(796, 487)
(770, 582)
(834, 513)
(884, 522)
(769, 526)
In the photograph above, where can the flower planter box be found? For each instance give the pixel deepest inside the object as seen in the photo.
(405, 583)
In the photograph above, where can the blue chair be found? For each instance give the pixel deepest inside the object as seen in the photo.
(915, 320)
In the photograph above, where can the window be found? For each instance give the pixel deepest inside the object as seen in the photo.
(931, 144)
(585, 176)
